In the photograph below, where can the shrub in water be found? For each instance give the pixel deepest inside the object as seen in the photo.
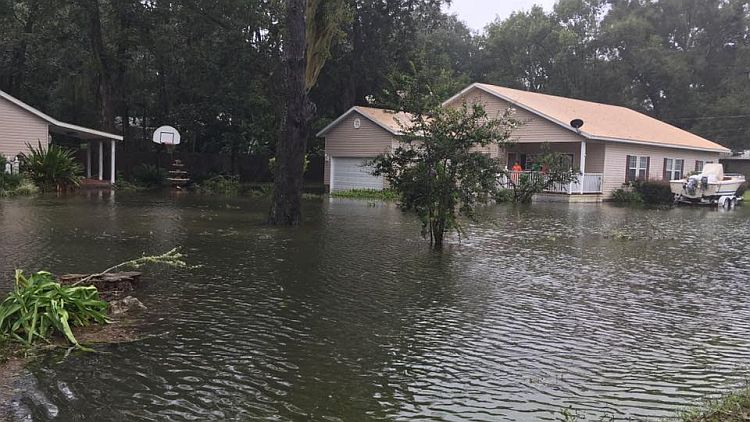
(225, 185)
(40, 306)
(654, 192)
(51, 168)
(149, 176)
(626, 196)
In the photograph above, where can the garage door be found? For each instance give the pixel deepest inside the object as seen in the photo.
(351, 173)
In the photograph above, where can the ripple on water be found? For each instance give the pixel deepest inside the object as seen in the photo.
(630, 313)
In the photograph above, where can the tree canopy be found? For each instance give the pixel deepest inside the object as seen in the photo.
(214, 69)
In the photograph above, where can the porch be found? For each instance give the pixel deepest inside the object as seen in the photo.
(586, 183)
(585, 158)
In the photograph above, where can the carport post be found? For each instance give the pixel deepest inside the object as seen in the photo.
(112, 163)
(88, 160)
(101, 160)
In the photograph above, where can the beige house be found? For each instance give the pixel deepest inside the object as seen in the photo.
(614, 144)
(22, 124)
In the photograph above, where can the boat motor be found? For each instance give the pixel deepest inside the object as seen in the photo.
(704, 182)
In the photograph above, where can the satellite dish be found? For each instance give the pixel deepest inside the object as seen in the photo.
(167, 135)
(576, 123)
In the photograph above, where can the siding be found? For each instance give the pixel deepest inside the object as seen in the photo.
(19, 127)
(346, 141)
(616, 153)
(533, 129)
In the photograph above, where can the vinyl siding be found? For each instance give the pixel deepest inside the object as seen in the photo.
(616, 154)
(19, 127)
(344, 140)
(533, 128)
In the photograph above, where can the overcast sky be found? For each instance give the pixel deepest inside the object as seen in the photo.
(478, 13)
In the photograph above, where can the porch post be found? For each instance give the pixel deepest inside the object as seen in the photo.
(112, 163)
(88, 160)
(101, 160)
(583, 163)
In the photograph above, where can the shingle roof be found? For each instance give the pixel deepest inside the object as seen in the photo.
(390, 120)
(601, 121)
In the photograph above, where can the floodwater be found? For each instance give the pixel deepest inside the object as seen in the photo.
(613, 312)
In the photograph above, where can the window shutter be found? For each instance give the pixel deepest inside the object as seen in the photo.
(627, 168)
(648, 166)
(664, 173)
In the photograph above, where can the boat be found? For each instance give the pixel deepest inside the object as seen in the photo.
(711, 186)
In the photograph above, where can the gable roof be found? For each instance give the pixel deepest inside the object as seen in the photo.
(601, 121)
(57, 126)
(391, 121)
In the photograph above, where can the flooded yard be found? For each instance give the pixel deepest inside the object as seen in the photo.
(612, 311)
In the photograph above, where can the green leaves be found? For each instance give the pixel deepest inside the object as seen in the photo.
(53, 168)
(40, 306)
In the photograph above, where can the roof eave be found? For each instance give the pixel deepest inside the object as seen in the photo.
(54, 122)
(659, 144)
(354, 109)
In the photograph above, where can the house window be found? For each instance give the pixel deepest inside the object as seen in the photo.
(637, 168)
(673, 168)
(699, 166)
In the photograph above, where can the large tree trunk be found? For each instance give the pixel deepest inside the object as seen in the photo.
(290, 151)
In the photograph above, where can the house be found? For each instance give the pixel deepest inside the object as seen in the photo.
(614, 144)
(738, 163)
(22, 124)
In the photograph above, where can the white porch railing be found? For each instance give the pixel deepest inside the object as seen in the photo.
(584, 183)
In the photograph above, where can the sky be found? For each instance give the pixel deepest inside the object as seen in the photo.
(478, 13)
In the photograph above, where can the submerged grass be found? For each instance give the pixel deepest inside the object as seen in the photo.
(734, 407)
(370, 194)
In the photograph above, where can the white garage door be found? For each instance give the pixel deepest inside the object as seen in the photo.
(351, 173)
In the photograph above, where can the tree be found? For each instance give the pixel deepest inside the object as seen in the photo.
(305, 52)
(440, 170)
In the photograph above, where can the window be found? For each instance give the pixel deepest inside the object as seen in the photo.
(637, 168)
(673, 168)
(699, 166)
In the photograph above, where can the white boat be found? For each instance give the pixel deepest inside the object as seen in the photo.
(711, 186)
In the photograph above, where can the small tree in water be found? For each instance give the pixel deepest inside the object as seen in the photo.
(440, 169)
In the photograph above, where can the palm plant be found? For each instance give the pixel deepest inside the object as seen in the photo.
(51, 168)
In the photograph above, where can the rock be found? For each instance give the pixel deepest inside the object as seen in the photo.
(126, 305)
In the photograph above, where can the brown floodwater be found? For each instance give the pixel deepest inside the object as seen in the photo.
(613, 312)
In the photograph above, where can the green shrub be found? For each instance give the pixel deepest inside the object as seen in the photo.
(149, 176)
(223, 185)
(51, 168)
(39, 306)
(626, 196)
(504, 195)
(372, 194)
(654, 192)
(9, 182)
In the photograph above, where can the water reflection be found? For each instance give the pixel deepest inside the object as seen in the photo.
(631, 313)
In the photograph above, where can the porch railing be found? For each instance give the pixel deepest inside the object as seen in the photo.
(584, 183)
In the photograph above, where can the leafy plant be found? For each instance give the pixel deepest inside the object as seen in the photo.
(51, 168)
(40, 306)
(626, 196)
(225, 185)
(149, 176)
(439, 170)
(653, 192)
(380, 195)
